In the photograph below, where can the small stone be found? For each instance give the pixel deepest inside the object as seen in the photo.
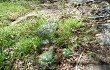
(105, 30)
(108, 21)
(106, 40)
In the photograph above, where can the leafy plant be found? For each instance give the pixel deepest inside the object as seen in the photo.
(67, 52)
(44, 42)
(47, 30)
(48, 59)
(90, 53)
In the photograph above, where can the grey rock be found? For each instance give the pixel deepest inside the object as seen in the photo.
(102, 12)
(97, 67)
(75, 2)
(107, 1)
(81, 2)
(50, 1)
(105, 30)
(106, 39)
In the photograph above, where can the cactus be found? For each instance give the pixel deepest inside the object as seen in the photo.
(47, 30)
(66, 52)
(48, 59)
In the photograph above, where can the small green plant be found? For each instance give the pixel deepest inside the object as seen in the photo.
(47, 30)
(90, 53)
(44, 42)
(71, 23)
(48, 59)
(28, 45)
(67, 52)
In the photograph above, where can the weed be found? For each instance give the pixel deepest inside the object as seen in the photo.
(28, 45)
(64, 32)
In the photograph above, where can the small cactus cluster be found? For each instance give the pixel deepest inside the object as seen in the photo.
(67, 52)
(47, 30)
(48, 59)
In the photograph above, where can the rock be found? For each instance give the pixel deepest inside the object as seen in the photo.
(107, 1)
(106, 39)
(108, 21)
(97, 67)
(50, 1)
(81, 2)
(103, 11)
(75, 1)
(103, 53)
(105, 30)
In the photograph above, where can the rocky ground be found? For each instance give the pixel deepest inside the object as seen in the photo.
(96, 15)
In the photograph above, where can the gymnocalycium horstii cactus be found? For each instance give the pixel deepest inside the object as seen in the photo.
(47, 30)
(48, 59)
(67, 52)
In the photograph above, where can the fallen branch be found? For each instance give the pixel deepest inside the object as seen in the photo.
(34, 13)
(78, 61)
